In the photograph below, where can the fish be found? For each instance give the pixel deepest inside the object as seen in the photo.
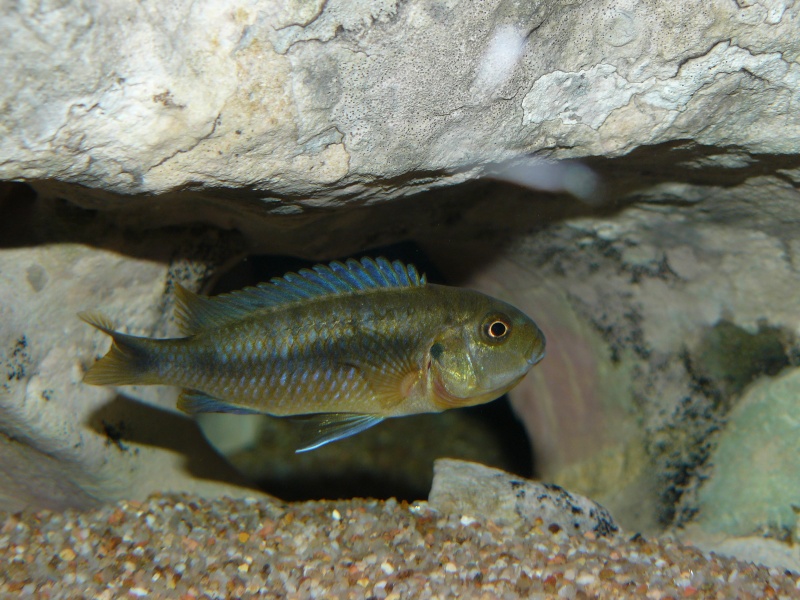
(346, 344)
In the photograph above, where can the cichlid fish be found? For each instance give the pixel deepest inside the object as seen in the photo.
(352, 343)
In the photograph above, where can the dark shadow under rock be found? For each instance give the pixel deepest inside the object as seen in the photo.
(394, 459)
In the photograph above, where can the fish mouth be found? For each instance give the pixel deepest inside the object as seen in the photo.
(536, 358)
(539, 349)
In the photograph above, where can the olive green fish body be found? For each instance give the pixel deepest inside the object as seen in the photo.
(367, 338)
(317, 356)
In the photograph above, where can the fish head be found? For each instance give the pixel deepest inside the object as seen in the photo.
(485, 355)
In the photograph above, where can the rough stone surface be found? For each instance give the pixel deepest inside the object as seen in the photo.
(756, 549)
(66, 444)
(309, 104)
(471, 489)
(752, 489)
(658, 319)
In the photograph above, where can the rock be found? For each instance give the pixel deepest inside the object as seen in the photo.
(752, 490)
(306, 105)
(780, 554)
(66, 444)
(658, 319)
(471, 489)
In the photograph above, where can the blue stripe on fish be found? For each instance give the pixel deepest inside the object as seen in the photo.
(327, 428)
(196, 313)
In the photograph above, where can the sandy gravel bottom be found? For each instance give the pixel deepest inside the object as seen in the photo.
(185, 547)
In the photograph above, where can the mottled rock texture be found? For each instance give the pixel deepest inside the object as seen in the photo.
(470, 489)
(669, 301)
(63, 443)
(659, 318)
(312, 104)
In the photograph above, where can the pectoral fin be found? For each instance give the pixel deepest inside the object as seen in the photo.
(391, 372)
(326, 428)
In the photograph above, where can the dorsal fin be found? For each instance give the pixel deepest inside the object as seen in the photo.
(196, 313)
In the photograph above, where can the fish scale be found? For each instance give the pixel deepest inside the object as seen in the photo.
(352, 342)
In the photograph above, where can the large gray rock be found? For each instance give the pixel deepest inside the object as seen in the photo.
(472, 490)
(342, 100)
(659, 318)
(749, 508)
(64, 443)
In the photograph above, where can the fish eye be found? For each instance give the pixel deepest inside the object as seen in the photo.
(496, 328)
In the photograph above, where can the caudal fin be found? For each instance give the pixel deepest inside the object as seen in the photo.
(126, 363)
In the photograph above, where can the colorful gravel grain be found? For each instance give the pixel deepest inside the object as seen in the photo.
(185, 547)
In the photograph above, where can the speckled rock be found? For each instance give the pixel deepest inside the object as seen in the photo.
(658, 320)
(471, 489)
(752, 490)
(303, 105)
(65, 444)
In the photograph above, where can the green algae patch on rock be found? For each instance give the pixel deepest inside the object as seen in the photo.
(754, 485)
(732, 357)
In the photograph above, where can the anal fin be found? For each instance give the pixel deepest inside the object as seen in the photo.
(329, 427)
(195, 402)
